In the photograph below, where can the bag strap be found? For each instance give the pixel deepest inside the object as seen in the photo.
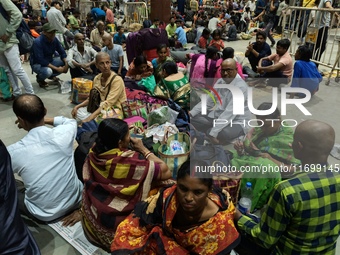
(114, 76)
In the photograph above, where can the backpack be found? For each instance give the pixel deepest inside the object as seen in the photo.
(23, 33)
(191, 35)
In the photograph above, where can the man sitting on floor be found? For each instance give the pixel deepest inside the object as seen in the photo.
(230, 125)
(81, 59)
(302, 214)
(44, 160)
(280, 72)
(257, 50)
(42, 59)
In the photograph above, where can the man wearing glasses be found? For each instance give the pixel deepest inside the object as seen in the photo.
(220, 123)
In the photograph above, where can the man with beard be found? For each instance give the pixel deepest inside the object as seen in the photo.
(257, 50)
(233, 125)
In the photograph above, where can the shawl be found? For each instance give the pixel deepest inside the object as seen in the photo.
(149, 229)
(114, 182)
(278, 146)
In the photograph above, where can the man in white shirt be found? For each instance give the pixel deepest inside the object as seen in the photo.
(220, 123)
(81, 58)
(44, 160)
(57, 20)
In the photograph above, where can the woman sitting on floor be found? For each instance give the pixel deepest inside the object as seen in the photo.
(115, 179)
(139, 68)
(162, 52)
(110, 87)
(265, 148)
(177, 85)
(203, 67)
(190, 217)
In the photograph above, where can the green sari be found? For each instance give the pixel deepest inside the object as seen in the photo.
(266, 174)
(179, 91)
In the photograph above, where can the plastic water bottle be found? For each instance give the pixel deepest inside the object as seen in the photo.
(244, 205)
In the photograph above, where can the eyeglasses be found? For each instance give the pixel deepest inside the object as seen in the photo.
(228, 70)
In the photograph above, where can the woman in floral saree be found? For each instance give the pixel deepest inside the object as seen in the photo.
(265, 150)
(187, 218)
(115, 179)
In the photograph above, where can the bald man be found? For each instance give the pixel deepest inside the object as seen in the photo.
(81, 59)
(116, 54)
(44, 160)
(233, 125)
(302, 216)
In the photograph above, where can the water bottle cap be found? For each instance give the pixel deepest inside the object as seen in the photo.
(248, 185)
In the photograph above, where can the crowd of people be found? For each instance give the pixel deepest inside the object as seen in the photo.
(127, 201)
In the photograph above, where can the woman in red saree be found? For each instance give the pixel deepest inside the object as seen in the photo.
(115, 179)
(187, 218)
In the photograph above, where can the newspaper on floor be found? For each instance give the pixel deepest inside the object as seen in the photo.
(75, 236)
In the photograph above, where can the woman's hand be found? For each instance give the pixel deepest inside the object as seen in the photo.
(239, 147)
(137, 145)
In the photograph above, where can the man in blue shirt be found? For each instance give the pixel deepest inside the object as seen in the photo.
(42, 58)
(257, 50)
(180, 33)
(98, 14)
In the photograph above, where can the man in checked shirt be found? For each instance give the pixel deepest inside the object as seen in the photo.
(303, 213)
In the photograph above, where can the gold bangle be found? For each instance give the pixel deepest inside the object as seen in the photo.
(147, 154)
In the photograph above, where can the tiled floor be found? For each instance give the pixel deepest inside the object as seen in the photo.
(324, 106)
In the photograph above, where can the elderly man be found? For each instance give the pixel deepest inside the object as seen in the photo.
(57, 20)
(302, 215)
(232, 125)
(42, 52)
(44, 160)
(80, 58)
(9, 50)
(96, 36)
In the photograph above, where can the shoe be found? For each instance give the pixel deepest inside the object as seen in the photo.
(42, 84)
(8, 99)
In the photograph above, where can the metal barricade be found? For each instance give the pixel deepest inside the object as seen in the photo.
(135, 13)
(304, 26)
(84, 8)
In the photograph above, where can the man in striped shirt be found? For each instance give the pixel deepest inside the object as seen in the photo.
(302, 215)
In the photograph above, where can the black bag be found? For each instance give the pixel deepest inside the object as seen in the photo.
(94, 100)
(85, 143)
(23, 33)
(94, 97)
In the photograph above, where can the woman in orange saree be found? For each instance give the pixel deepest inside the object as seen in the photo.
(190, 217)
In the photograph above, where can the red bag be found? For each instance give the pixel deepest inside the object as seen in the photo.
(133, 94)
